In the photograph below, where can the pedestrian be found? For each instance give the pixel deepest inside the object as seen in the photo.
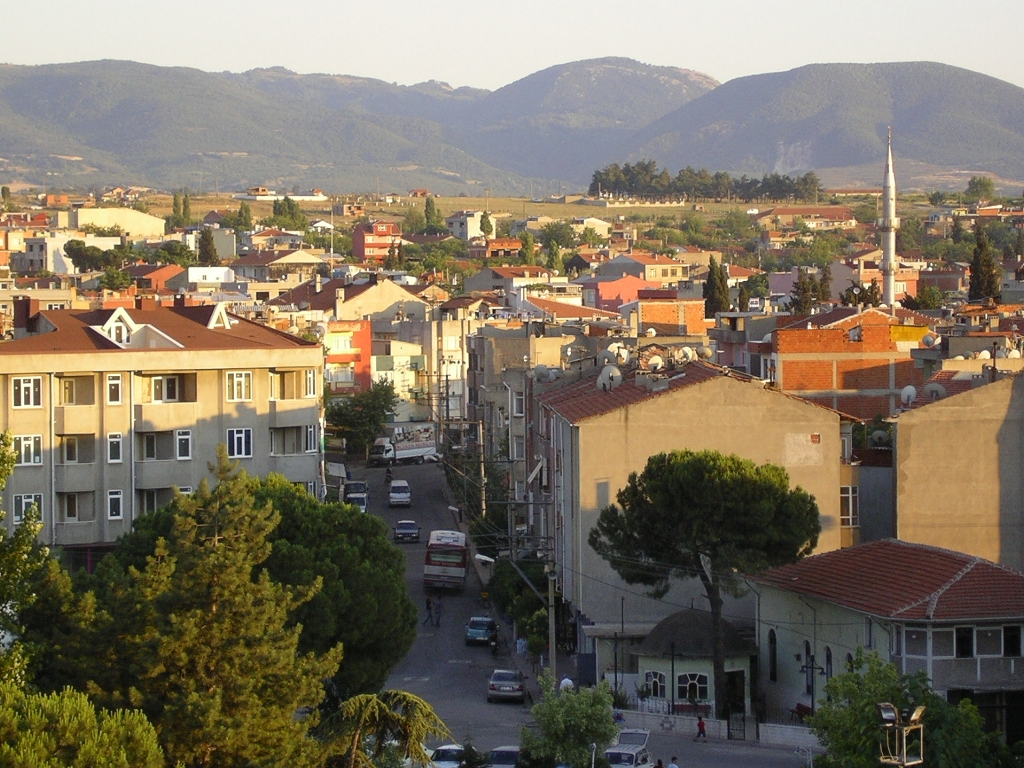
(659, 764)
(701, 729)
(673, 764)
(565, 685)
(430, 612)
(437, 612)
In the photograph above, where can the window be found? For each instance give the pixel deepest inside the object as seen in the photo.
(808, 669)
(773, 656)
(692, 686)
(113, 389)
(70, 506)
(115, 509)
(518, 403)
(655, 682)
(28, 449)
(183, 439)
(185, 490)
(149, 445)
(149, 501)
(120, 333)
(28, 392)
(165, 389)
(869, 631)
(849, 508)
(114, 455)
(311, 443)
(518, 447)
(828, 663)
(240, 443)
(311, 382)
(964, 641)
(1011, 641)
(239, 386)
(70, 449)
(23, 502)
(67, 391)
(520, 490)
(311, 488)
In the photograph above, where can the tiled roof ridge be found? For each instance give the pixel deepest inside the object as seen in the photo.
(933, 599)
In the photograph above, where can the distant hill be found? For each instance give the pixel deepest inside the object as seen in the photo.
(112, 122)
(836, 115)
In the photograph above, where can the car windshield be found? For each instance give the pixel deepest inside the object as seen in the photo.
(633, 737)
(505, 677)
(447, 755)
(619, 758)
(399, 485)
(479, 624)
(504, 756)
(407, 527)
(355, 487)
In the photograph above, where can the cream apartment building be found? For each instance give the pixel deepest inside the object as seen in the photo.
(112, 410)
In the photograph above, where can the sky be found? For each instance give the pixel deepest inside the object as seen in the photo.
(485, 44)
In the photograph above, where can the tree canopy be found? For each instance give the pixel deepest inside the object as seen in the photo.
(986, 271)
(361, 417)
(568, 722)
(716, 289)
(847, 723)
(710, 515)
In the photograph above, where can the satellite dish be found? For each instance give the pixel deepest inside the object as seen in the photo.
(651, 332)
(540, 373)
(655, 363)
(879, 436)
(689, 354)
(1013, 354)
(984, 355)
(554, 373)
(293, 330)
(934, 390)
(928, 340)
(320, 330)
(705, 352)
(959, 357)
(1000, 353)
(606, 357)
(908, 394)
(609, 378)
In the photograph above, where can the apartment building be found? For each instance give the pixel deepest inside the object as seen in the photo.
(113, 410)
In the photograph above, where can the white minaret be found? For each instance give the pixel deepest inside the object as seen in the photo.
(887, 226)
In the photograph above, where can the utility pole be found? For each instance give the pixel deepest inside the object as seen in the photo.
(483, 473)
(552, 643)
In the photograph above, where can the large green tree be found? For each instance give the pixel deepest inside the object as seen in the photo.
(207, 249)
(707, 514)
(20, 558)
(368, 724)
(361, 417)
(486, 225)
(847, 723)
(804, 295)
(980, 189)
(986, 271)
(65, 730)
(204, 642)
(527, 250)
(716, 289)
(568, 723)
(434, 218)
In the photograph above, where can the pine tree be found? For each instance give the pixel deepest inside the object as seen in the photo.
(804, 294)
(176, 207)
(986, 272)
(244, 217)
(957, 233)
(207, 249)
(743, 299)
(825, 283)
(527, 249)
(486, 227)
(1018, 246)
(214, 665)
(716, 289)
(186, 209)
(435, 221)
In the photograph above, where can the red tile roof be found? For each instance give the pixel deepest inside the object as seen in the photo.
(907, 582)
(560, 310)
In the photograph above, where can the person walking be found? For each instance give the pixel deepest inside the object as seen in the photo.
(437, 612)
(430, 612)
(702, 732)
(673, 764)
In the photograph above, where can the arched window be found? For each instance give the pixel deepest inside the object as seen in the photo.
(849, 662)
(828, 663)
(692, 686)
(773, 656)
(808, 668)
(656, 684)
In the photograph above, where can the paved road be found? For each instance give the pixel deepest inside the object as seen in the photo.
(453, 677)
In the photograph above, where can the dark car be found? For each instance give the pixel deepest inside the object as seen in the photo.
(503, 757)
(506, 685)
(480, 630)
(407, 530)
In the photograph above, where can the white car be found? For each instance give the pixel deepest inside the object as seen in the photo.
(448, 756)
(399, 494)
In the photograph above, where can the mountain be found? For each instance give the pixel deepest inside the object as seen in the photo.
(112, 122)
(836, 115)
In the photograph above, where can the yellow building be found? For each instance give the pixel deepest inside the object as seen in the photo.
(112, 410)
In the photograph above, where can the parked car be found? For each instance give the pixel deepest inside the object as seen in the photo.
(353, 488)
(480, 629)
(633, 737)
(399, 494)
(503, 757)
(628, 755)
(359, 500)
(448, 756)
(506, 685)
(407, 530)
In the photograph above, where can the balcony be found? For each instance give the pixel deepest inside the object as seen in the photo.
(297, 467)
(294, 413)
(76, 419)
(153, 474)
(163, 417)
(75, 478)
(68, 533)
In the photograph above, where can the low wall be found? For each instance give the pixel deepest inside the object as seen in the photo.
(768, 734)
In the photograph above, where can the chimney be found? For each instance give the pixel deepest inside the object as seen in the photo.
(319, 283)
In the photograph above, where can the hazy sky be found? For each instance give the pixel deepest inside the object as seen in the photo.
(490, 44)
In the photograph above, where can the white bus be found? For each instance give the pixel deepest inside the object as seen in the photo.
(447, 558)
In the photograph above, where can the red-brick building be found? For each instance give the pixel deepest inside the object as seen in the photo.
(855, 362)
